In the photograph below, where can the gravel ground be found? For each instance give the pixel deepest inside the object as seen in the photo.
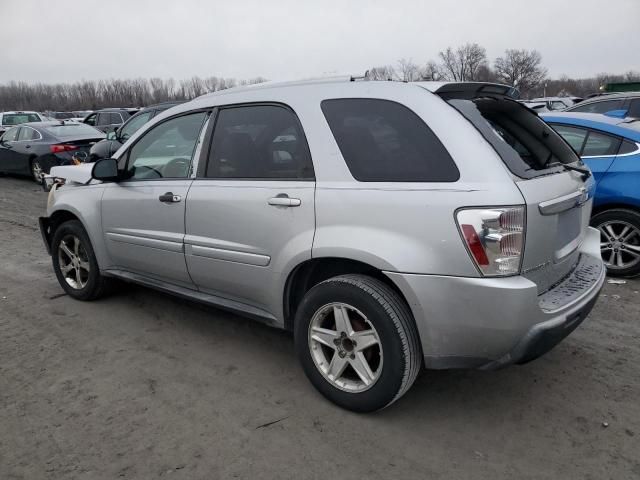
(143, 385)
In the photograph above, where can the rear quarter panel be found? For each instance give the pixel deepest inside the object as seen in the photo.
(621, 184)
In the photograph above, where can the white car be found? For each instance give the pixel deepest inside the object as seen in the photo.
(10, 119)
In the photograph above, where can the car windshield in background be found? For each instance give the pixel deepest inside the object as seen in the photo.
(61, 115)
(18, 118)
(73, 130)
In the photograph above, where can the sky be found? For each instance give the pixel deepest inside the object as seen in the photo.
(68, 40)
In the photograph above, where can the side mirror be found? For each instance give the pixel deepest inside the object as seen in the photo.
(105, 170)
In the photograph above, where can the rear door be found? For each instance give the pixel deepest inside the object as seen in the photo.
(250, 211)
(143, 215)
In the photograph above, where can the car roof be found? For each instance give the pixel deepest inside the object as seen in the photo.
(18, 112)
(598, 121)
(610, 96)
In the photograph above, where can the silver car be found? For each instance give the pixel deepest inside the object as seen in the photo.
(389, 226)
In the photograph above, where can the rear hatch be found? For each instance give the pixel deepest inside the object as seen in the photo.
(557, 187)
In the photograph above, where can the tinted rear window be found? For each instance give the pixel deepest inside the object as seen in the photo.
(18, 118)
(383, 141)
(526, 144)
(73, 130)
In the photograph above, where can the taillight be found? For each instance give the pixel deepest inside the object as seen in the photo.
(62, 148)
(494, 238)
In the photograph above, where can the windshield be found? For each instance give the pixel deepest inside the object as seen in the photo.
(61, 115)
(18, 118)
(73, 130)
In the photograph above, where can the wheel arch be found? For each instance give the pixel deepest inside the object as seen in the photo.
(614, 206)
(315, 270)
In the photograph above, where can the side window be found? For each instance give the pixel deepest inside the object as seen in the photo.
(599, 144)
(599, 107)
(261, 141)
(10, 135)
(104, 118)
(574, 136)
(166, 151)
(115, 118)
(133, 125)
(27, 134)
(628, 147)
(91, 120)
(383, 141)
(634, 108)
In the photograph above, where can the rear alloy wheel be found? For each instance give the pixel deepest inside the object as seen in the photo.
(36, 170)
(75, 263)
(619, 241)
(357, 342)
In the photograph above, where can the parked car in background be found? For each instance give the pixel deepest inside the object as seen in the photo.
(80, 115)
(60, 115)
(627, 103)
(9, 119)
(33, 148)
(551, 104)
(107, 147)
(109, 119)
(611, 149)
(424, 223)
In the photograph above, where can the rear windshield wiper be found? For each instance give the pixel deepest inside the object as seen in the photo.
(586, 173)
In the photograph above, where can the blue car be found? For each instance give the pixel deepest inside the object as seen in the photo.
(610, 146)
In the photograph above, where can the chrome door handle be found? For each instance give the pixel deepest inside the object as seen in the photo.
(283, 200)
(169, 198)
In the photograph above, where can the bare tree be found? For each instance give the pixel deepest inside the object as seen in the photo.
(463, 64)
(386, 72)
(431, 71)
(408, 71)
(520, 68)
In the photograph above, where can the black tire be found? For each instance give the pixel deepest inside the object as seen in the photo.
(389, 315)
(96, 284)
(36, 166)
(622, 217)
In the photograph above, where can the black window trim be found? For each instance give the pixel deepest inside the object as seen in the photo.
(125, 155)
(203, 162)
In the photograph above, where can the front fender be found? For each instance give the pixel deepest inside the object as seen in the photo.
(84, 203)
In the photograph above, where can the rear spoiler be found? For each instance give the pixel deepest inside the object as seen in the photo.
(470, 90)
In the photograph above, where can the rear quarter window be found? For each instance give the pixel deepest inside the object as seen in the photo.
(384, 141)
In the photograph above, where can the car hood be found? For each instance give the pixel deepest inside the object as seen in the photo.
(73, 173)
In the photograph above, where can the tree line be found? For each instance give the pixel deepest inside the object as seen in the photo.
(93, 95)
(520, 68)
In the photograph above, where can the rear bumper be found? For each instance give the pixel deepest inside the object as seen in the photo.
(492, 322)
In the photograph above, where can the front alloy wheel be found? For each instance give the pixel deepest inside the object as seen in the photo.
(74, 262)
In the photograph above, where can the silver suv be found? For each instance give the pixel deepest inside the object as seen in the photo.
(388, 225)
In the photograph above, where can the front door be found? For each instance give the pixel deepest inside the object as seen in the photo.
(143, 215)
(250, 213)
